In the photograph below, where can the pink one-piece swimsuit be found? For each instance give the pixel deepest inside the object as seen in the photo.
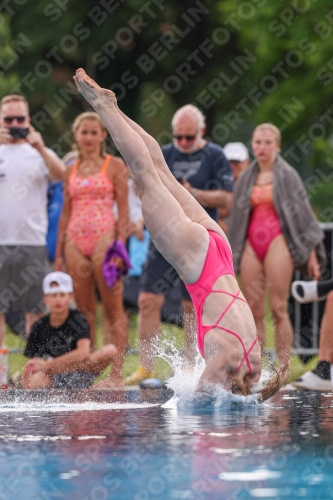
(264, 224)
(218, 262)
(92, 208)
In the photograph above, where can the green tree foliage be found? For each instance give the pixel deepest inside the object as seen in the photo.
(241, 62)
(139, 48)
(8, 56)
(294, 74)
(291, 41)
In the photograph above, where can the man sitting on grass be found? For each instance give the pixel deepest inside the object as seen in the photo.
(59, 343)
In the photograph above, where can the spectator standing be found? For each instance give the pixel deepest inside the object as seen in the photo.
(25, 167)
(203, 170)
(272, 232)
(54, 209)
(87, 228)
(238, 156)
(55, 196)
(321, 378)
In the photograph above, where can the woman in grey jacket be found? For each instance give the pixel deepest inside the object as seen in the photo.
(272, 232)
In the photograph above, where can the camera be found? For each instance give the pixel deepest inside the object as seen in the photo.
(18, 132)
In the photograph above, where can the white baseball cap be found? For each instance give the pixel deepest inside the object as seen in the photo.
(236, 151)
(63, 280)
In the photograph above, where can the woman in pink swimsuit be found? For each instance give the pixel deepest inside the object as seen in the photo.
(198, 249)
(263, 257)
(87, 228)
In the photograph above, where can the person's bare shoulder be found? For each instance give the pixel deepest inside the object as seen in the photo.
(117, 169)
(118, 162)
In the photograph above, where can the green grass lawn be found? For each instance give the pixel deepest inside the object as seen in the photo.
(163, 371)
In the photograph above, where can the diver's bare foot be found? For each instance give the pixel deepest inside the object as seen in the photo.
(97, 97)
(109, 383)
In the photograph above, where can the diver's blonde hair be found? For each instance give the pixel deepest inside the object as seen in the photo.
(273, 385)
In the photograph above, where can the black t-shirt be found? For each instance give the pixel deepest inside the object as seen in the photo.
(206, 169)
(46, 340)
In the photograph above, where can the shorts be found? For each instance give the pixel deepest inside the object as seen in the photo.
(22, 269)
(73, 380)
(159, 277)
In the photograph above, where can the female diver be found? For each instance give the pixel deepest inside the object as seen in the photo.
(198, 249)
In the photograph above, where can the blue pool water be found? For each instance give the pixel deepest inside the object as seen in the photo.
(127, 445)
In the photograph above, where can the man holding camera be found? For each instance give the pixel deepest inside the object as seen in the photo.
(25, 167)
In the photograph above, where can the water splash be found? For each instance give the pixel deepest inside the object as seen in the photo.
(185, 380)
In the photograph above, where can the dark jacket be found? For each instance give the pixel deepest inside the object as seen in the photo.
(299, 224)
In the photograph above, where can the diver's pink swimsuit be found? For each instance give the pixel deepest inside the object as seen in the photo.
(218, 263)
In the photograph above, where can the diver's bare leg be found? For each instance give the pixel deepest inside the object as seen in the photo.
(182, 242)
(189, 204)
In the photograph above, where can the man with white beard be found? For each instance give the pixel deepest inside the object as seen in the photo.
(202, 168)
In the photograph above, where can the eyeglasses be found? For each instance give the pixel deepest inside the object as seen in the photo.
(179, 137)
(10, 119)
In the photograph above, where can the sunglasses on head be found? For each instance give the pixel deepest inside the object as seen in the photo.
(10, 119)
(179, 137)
